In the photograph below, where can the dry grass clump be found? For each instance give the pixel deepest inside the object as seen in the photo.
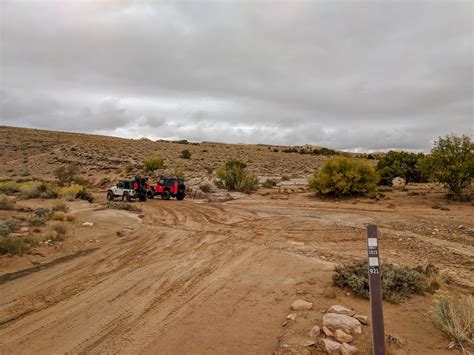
(6, 203)
(16, 245)
(455, 319)
(233, 175)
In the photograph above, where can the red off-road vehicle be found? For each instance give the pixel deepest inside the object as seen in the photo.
(167, 188)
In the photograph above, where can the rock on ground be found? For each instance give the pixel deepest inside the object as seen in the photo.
(327, 332)
(342, 337)
(314, 332)
(362, 319)
(341, 310)
(330, 346)
(339, 321)
(399, 183)
(347, 349)
(301, 305)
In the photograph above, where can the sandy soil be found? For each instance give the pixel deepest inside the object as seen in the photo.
(199, 277)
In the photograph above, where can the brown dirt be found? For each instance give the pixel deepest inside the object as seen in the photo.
(199, 277)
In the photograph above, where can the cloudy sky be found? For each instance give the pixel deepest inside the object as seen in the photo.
(354, 75)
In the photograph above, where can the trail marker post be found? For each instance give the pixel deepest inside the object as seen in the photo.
(375, 286)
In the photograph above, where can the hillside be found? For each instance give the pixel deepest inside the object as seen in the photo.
(31, 153)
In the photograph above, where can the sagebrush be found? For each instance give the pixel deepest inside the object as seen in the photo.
(398, 282)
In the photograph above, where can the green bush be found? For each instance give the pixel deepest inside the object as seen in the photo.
(4, 230)
(234, 176)
(398, 282)
(6, 203)
(153, 163)
(456, 320)
(451, 163)
(402, 164)
(342, 176)
(269, 183)
(186, 154)
(285, 178)
(16, 245)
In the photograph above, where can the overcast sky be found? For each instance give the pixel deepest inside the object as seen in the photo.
(354, 75)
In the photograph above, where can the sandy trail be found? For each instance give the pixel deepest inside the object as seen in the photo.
(197, 277)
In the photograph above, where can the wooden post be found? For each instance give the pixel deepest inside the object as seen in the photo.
(376, 311)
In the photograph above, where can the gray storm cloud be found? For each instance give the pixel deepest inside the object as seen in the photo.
(350, 75)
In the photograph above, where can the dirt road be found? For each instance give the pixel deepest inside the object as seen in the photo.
(198, 277)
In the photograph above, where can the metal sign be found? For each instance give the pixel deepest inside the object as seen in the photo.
(375, 285)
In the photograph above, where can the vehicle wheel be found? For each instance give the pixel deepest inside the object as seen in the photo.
(110, 196)
(126, 197)
(180, 196)
(142, 197)
(150, 195)
(166, 195)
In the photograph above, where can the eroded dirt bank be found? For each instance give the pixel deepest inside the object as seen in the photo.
(200, 277)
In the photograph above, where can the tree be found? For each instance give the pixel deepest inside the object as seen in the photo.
(343, 176)
(402, 164)
(451, 163)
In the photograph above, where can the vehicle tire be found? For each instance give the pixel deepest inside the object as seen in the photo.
(142, 197)
(110, 195)
(150, 195)
(166, 195)
(180, 196)
(126, 197)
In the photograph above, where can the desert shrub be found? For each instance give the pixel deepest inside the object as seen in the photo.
(37, 221)
(66, 174)
(209, 170)
(128, 168)
(60, 207)
(342, 176)
(31, 189)
(402, 164)
(85, 195)
(178, 172)
(6, 203)
(451, 163)
(205, 188)
(50, 190)
(58, 216)
(43, 212)
(269, 183)
(9, 187)
(186, 154)
(456, 320)
(122, 206)
(12, 223)
(60, 229)
(234, 176)
(70, 218)
(398, 282)
(153, 163)
(4, 230)
(16, 245)
(275, 150)
(285, 178)
(69, 193)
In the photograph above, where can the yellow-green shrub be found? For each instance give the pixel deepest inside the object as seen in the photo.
(6, 203)
(59, 216)
(31, 189)
(153, 163)
(343, 176)
(69, 193)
